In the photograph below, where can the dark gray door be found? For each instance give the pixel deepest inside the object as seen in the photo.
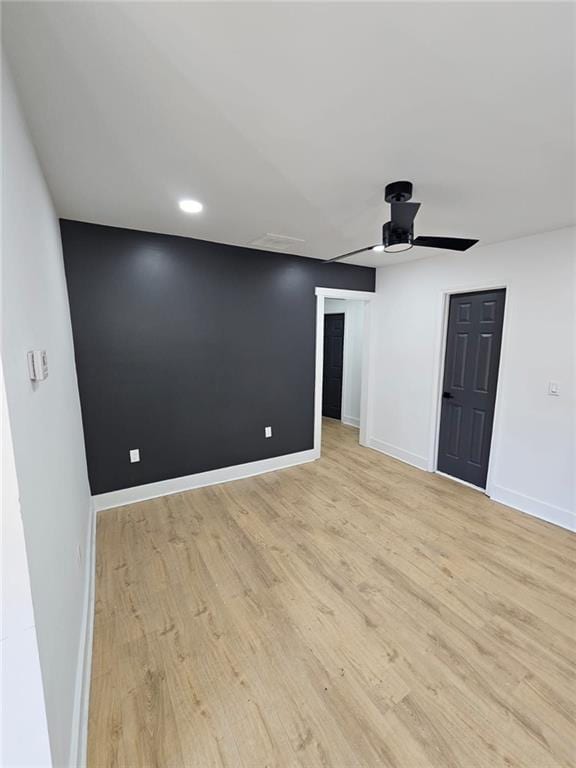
(470, 378)
(333, 362)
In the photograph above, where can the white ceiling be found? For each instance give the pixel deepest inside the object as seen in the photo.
(291, 117)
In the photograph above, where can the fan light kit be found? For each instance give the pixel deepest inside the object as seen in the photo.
(398, 233)
(190, 206)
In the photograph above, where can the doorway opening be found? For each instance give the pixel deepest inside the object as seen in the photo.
(342, 360)
(472, 346)
(333, 370)
(342, 371)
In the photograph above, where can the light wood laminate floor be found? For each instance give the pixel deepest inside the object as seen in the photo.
(352, 612)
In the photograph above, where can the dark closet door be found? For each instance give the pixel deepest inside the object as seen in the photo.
(470, 377)
(333, 360)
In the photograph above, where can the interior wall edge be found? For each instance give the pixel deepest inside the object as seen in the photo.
(534, 507)
(138, 493)
(45, 420)
(79, 737)
(24, 738)
(420, 462)
(533, 440)
(195, 336)
(518, 501)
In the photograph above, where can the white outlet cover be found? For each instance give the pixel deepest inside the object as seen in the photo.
(267, 431)
(134, 455)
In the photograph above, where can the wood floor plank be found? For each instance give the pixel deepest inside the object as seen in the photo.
(354, 612)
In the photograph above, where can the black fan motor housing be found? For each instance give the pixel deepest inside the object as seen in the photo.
(398, 192)
(393, 236)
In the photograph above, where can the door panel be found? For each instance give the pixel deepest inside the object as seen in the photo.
(455, 421)
(464, 313)
(477, 436)
(474, 338)
(483, 359)
(460, 360)
(333, 365)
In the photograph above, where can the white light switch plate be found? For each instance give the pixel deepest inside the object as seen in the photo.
(267, 431)
(554, 388)
(134, 455)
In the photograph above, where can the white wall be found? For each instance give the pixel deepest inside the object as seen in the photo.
(23, 726)
(352, 365)
(46, 424)
(532, 465)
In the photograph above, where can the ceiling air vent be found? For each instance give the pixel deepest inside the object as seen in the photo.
(271, 242)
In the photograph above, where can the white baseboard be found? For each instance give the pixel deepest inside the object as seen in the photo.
(527, 504)
(535, 507)
(351, 421)
(421, 462)
(189, 482)
(459, 481)
(79, 739)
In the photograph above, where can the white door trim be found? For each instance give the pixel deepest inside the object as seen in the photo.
(440, 347)
(343, 293)
(365, 395)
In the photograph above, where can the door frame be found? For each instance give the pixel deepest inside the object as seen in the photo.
(439, 362)
(367, 355)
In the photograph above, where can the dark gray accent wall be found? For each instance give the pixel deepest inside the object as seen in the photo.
(187, 349)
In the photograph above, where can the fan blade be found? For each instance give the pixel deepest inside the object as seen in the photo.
(352, 253)
(403, 215)
(451, 243)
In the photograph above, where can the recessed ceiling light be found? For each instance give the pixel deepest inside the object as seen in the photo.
(190, 206)
(378, 248)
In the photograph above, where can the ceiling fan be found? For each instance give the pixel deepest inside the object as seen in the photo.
(398, 233)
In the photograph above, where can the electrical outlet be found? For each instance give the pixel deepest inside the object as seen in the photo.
(267, 431)
(134, 455)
